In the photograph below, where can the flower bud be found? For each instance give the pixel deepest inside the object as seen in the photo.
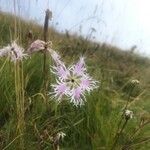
(128, 114)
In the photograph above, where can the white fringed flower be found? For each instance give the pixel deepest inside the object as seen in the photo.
(128, 114)
(14, 51)
(135, 81)
(58, 137)
(61, 135)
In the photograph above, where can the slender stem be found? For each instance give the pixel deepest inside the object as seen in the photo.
(138, 129)
(15, 20)
(19, 103)
(3, 65)
(12, 142)
(45, 36)
(131, 138)
(118, 135)
(121, 119)
(126, 147)
(56, 147)
(19, 88)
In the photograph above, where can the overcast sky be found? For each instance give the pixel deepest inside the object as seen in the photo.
(123, 23)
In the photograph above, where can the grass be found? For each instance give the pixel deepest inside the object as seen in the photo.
(91, 127)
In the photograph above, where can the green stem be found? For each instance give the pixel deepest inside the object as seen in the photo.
(126, 147)
(122, 116)
(19, 103)
(118, 135)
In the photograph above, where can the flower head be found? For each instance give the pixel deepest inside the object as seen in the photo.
(128, 114)
(38, 45)
(135, 81)
(61, 135)
(58, 137)
(72, 82)
(14, 51)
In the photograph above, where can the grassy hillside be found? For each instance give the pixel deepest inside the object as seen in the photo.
(90, 127)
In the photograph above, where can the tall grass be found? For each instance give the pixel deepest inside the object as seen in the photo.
(20, 110)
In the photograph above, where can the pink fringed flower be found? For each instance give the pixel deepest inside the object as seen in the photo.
(72, 82)
(14, 51)
(38, 45)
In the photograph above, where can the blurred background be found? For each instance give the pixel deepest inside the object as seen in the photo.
(124, 23)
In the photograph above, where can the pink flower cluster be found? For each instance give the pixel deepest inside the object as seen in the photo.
(72, 82)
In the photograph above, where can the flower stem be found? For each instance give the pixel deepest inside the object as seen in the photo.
(45, 36)
(122, 116)
(19, 90)
(118, 135)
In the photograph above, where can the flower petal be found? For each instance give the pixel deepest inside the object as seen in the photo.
(16, 52)
(60, 90)
(79, 68)
(56, 57)
(36, 46)
(5, 51)
(87, 83)
(61, 71)
(77, 97)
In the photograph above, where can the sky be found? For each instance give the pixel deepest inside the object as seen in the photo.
(123, 23)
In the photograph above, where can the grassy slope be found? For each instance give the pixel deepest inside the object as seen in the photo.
(91, 126)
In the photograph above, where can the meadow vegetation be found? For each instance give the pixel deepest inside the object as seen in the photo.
(93, 126)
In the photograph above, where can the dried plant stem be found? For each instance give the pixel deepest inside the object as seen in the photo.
(56, 147)
(3, 65)
(126, 147)
(45, 36)
(131, 138)
(15, 20)
(6, 147)
(19, 87)
(122, 116)
(138, 129)
(118, 135)
(19, 90)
